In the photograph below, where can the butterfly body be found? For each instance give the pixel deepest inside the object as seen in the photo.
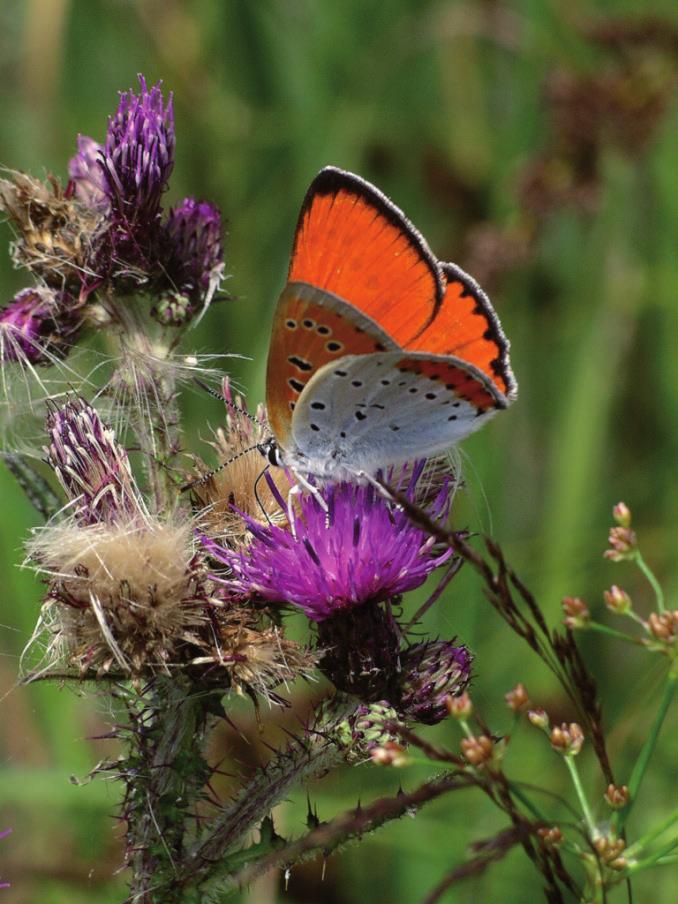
(379, 353)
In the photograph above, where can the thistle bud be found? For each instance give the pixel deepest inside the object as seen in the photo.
(517, 699)
(87, 174)
(617, 797)
(622, 514)
(617, 600)
(195, 265)
(91, 466)
(432, 672)
(567, 739)
(539, 718)
(577, 614)
(366, 729)
(477, 750)
(460, 707)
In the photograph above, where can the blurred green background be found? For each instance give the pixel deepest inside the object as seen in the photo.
(533, 142)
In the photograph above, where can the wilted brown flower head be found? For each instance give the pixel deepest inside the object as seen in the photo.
(460, 707)
(236, 486)
(56, 233)
(610, 850)
(551, 836)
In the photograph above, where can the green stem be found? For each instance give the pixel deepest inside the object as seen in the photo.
(654, 583)
(581, 794)
(620, 817)
(611, 632)
(653, 858)
(650, 836)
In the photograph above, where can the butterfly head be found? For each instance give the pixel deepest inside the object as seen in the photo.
(272, 452)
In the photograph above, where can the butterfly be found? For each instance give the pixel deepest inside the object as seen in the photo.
(379, 352)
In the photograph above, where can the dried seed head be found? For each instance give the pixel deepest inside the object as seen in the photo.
(91, 466)
(663, 625)
(460, 707)
(429, 674)
(57, 234)
(617, 796)
(120, 593)
(236, 489)
(617, 600)
(623, 544)
(518, 699)
(255, 658)
(477, 750)
(577, 613)
(622, 514)
(567, 739)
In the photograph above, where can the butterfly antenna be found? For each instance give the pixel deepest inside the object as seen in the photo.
(222, 398)
(200, 480)
(257, 497)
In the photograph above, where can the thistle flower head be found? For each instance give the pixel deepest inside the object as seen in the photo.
(430, 674)
(195, 264)
(91, 466)
(361, 549)
(35, 327)
(138, 159)
(87, 175)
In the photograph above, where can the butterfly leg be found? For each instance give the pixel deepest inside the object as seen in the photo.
(296, 490)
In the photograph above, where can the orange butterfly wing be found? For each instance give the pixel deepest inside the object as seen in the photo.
(311, 328)
(467, 327)
(355, 243)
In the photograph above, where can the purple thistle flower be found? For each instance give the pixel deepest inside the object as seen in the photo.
(138, 158)
(35, 327)
(196, 264)
(430, 673)
(364, 549)
(91, 466)
(87, 174)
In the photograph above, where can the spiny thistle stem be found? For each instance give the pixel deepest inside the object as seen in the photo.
(638, 773)
(301, 761)
(164, 774)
